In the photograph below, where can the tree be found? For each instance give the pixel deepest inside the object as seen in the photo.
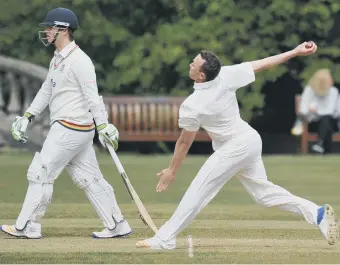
(145, 47)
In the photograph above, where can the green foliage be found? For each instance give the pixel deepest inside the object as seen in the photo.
(145, 47)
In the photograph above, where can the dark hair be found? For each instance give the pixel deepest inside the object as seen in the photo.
(212, 65)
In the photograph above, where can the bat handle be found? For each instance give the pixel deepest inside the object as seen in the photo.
(115, 159)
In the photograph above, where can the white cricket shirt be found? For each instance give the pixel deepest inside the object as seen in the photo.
(326, 105)
(213, 105)
(71, 91)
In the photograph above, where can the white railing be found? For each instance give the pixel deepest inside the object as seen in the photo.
(19, 83)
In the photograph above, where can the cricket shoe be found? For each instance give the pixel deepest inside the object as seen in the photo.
(122, 229)
(31, 231)
(327, 224)
(155, 243)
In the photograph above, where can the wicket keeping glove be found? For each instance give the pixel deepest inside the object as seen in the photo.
(108, 134)
(19, 127)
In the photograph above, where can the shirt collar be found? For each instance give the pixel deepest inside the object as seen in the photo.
(66, 50)
(203, 85)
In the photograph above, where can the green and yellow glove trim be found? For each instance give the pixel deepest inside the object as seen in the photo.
(101, 127)
(29, 116)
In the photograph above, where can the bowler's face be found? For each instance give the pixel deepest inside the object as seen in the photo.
(195, 69)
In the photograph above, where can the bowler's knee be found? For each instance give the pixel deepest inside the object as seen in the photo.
(262, 200)
(262, 193)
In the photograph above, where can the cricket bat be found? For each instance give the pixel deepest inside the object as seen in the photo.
(143, 213)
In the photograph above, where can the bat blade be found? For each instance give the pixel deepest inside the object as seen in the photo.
(143, 213)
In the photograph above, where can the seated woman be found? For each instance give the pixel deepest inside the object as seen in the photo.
(318, 107)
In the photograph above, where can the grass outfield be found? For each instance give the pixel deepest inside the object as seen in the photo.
(231, 229)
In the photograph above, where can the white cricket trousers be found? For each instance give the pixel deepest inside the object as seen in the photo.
(240, 156)
(72, 150)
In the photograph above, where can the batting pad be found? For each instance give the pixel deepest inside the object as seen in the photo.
(38, 197)
(102, 198)
(37, 172)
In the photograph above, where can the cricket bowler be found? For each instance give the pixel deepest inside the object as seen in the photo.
(237, 148)
(76, 111)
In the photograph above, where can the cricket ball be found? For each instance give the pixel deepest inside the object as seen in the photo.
(309, 45)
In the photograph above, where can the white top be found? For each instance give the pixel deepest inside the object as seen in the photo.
(326, 105)
(70, 89)
(213, 105)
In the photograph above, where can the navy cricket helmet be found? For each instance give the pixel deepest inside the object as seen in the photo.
(61, 17)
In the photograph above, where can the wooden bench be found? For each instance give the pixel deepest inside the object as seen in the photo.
(147, 119)
(307, 136)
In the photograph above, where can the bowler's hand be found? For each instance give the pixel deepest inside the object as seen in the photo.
(166, 176)
(306, 48)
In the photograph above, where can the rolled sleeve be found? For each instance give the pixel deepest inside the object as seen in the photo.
(189, 124)
(188, 119)
(238, 75)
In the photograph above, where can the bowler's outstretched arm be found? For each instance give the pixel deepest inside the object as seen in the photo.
(182, 147)
(301, 50)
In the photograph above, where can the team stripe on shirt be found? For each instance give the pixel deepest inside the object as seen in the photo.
(77, 127)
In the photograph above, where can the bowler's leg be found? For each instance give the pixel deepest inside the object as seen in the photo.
(216, 171)
(254, 179)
